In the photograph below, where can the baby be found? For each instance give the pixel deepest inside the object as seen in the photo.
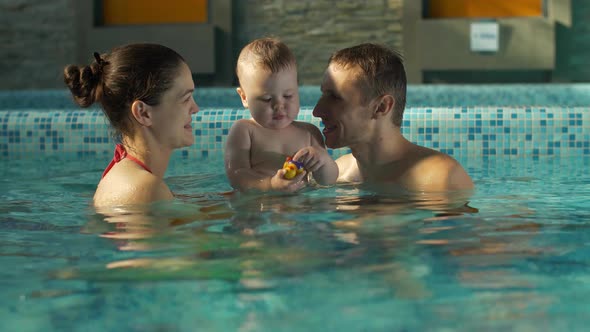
(257, 148)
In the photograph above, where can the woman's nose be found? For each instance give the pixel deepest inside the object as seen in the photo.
(195, 108)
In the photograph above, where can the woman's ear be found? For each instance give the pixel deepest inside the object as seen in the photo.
(141, 113)
(242, 96)
(383, 105)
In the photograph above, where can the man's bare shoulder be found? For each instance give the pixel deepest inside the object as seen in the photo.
(348, 170)
(440, 172)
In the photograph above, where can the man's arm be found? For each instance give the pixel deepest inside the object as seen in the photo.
(348, 170)
(328, 172)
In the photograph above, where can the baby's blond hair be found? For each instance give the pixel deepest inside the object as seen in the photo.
(268, 53)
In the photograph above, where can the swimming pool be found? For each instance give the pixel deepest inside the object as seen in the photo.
(339, 258)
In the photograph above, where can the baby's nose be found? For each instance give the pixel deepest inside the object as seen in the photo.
(279, 106)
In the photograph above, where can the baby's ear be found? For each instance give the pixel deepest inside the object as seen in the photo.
(242, 96)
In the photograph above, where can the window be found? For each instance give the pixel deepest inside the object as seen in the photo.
(131, 12)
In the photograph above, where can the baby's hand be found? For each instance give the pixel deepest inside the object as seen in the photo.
(279, 183)
(312, 158)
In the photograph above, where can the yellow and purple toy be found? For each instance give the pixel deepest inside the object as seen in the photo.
(292, 168)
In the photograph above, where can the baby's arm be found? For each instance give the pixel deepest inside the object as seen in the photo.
(316, 159)
(238, 168)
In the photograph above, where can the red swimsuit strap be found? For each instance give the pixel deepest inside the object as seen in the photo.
(121, 154)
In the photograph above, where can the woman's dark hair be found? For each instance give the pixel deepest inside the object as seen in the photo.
(116, 79)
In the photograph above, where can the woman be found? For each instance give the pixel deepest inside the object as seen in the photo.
(146, 92)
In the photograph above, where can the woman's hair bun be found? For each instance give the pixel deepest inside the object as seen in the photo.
(84, 82)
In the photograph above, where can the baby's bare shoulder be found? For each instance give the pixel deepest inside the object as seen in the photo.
(310, 127)
(243, 124)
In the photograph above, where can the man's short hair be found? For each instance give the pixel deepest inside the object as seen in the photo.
(381, 72)
(268, 53)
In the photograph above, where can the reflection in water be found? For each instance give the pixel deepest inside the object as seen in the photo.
(341, 258)
(391, 246)
(251, 240)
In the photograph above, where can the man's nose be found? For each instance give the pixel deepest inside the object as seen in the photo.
(317, 110)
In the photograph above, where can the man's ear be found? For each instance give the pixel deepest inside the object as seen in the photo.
(383, 105)
(242, 96)
(141, 113)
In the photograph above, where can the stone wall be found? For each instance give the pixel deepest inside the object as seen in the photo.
(573, 46)
(37, 39)
(314, 29)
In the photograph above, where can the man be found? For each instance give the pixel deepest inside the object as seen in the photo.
(362, 104)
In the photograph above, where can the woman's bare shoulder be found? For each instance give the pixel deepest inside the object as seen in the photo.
(122, 188)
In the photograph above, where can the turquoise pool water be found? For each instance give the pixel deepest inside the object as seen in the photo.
(327, 259)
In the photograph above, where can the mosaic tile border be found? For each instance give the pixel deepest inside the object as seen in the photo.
(467, 132)
(420, 95)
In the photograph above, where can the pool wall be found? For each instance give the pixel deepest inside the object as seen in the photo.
(464, 132)
(570, 95)
(555, 121)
